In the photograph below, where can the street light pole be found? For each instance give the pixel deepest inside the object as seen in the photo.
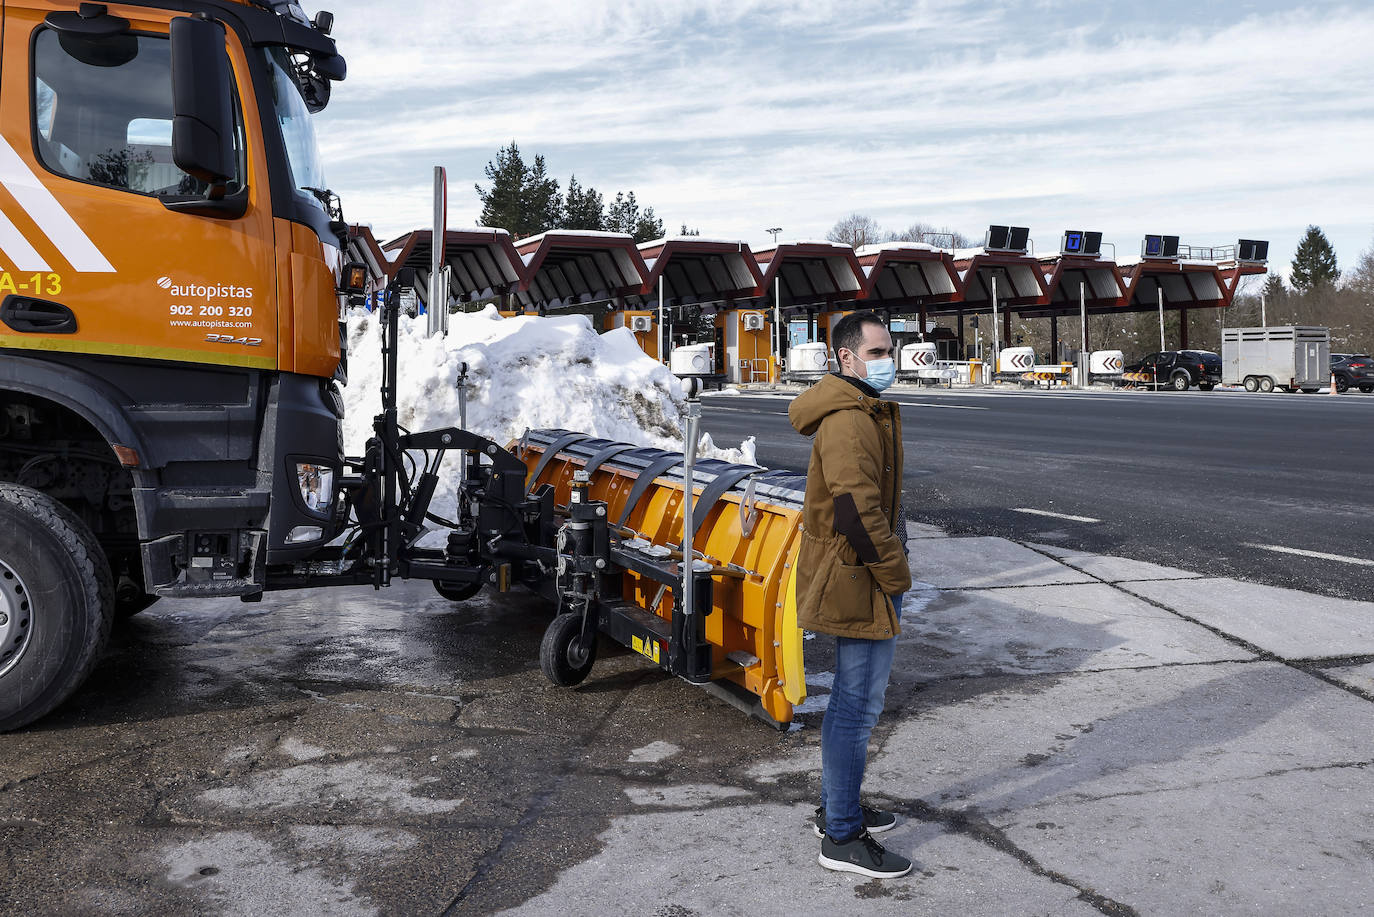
(1083, 360)
(1160, 290)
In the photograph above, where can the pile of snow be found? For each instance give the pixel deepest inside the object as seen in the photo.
(524, 373)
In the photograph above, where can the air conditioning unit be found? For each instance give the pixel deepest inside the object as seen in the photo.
(753, 321)
(641, 323)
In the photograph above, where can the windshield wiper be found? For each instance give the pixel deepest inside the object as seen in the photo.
(328, 199)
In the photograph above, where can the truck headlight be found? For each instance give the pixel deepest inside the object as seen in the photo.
(317, 485)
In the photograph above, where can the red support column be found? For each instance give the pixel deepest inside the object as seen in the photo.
(1183, 329)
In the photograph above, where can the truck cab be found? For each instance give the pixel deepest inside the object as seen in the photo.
(170, 300)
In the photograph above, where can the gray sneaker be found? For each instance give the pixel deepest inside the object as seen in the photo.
(876, 821)
(863, 855)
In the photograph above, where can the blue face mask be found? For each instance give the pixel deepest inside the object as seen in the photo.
(881, 373)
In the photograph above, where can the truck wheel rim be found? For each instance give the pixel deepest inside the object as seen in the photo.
(16, 616)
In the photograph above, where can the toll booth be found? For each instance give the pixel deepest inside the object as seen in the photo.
(818, 280)
(1001, 276)
(910, 276)
(577, 271)
(481, 263)
(689, 271)
(747, 339)
(1080, 282)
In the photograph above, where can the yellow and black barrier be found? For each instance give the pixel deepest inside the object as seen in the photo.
(747, 524)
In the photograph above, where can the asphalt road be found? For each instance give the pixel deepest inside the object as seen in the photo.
(1224, 483)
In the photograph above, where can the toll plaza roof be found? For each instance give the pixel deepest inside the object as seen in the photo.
(692, 270)
(811, 273)
(901, 274)
(565, 268)
(1097, 280)
(1020, 281)
(483, 262)
(1185, 283)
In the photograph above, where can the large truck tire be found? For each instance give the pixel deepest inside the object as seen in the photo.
(56, 604)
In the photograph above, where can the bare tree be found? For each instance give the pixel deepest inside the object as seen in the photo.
(856, 230)
(1360, 278)
(927, 233)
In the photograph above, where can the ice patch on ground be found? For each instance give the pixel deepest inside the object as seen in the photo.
(244, 876)
(300, 751)
(686, 796)
(653, 753)
(374, 786)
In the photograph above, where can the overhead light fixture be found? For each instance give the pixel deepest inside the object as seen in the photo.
(1006, 239)
(1078, 242)
(1160, 247)
(1252, 250)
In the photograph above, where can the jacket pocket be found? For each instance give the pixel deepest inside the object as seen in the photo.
(848, 597)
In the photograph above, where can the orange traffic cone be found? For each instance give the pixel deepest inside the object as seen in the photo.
(1334, 390)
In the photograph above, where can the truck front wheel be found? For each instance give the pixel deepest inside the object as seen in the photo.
(56, 602)
(1179, 382)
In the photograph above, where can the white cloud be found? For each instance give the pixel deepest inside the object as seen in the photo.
(733, 115)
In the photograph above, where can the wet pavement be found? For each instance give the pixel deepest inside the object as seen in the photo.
(1066, 733)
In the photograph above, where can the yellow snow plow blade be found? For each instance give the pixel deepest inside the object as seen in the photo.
(748, 524)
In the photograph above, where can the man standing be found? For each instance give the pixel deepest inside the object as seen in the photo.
(851, 575)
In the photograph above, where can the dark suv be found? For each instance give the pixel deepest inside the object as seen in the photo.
(1178, 369)
(1353, 370)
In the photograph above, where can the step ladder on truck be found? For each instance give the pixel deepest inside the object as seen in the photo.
(171, 351)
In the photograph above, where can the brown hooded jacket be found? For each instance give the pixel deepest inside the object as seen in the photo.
(851, 559)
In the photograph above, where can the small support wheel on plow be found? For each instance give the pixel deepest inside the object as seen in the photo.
(563, 658)
(457, 592)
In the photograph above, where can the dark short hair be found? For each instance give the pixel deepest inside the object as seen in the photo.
(849, 331)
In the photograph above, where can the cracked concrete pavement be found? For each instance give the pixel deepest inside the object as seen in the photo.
(1065, 734)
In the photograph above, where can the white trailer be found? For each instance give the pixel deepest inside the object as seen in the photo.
(1288, 357)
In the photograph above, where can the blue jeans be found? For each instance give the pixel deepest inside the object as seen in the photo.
(862, 668)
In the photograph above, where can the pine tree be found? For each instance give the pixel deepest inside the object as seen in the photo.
(684, 231)
(522, 199)
(648, 226)
(503, 205)
(1273, 289)
(543, 203)
(583, 207)
(622, 213)
(1314, 263)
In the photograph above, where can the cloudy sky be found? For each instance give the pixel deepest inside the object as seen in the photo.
(1209, 120)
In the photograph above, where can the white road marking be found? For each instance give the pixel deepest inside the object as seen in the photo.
(1043, 512)
(953, 407)
(1320, 555)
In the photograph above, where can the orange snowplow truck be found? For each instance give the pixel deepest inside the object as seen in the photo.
(172, 273)
(169, 314)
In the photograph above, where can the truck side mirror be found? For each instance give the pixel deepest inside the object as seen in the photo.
(202, 102)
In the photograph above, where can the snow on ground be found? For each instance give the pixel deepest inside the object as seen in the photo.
(525, 372)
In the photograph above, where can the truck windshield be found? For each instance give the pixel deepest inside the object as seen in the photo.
(297, 131)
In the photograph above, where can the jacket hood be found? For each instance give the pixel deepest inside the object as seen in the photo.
(827, 396)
